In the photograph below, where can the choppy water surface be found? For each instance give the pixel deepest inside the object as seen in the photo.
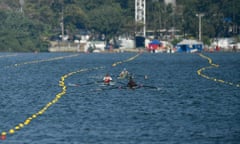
(175, 106)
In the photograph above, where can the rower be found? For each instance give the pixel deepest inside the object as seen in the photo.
(131, 83)
(107, 79)
(145, 77)
(124, 73)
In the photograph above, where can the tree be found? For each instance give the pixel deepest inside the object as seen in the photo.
(41, 19)
(75, 17)
(106, 19)
(18, 33)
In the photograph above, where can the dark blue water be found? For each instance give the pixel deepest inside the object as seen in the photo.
(174, 105)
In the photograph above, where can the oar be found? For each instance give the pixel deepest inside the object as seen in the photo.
(79, 84)
(151, 87)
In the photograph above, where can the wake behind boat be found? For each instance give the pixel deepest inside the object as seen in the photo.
(107, 84)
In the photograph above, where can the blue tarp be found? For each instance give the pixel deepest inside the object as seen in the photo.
(188, 48)
(155, 41)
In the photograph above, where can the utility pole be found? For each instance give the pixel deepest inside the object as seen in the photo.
(200, 15)
(21, 4)
(62, 23)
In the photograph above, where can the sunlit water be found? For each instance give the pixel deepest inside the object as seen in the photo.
(173, 106)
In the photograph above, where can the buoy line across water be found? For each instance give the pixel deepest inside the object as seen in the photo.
(9, 55)
(58, 96)
(43, 60)
(130, 59)
(45, 108)
(212, 65)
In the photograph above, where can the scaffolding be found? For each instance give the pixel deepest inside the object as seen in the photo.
(140, 17)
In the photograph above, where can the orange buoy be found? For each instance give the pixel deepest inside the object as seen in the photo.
(3, 137)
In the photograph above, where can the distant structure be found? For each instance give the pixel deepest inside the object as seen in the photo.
(140, 17)
(21, 2)
(172, 2)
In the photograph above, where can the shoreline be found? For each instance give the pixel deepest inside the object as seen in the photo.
(76, 49)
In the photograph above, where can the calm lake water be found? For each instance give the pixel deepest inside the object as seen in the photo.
(174, 105)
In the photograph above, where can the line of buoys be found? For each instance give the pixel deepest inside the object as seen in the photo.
(10, 55)
(57, 97)
(212, 65)
(49, 104)
(130, 59)
(46, 60)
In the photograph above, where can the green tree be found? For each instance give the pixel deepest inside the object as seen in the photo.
(106, 19)
(18, 33)
(75, 17)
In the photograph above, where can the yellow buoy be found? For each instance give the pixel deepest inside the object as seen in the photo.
(11, 131)
(21, 125)
(34, 116)
(4, 133)
(17, 127)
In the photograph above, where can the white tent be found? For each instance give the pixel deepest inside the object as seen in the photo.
(188, 45)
